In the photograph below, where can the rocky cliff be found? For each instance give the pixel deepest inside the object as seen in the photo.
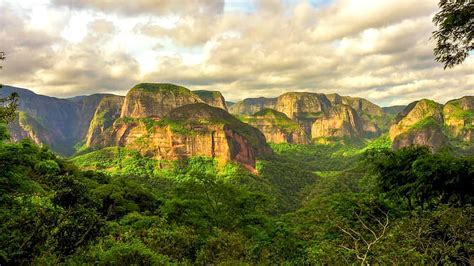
(250, 106)
(420, 123)
(459, 118)
(302, 105)
(342, 121)
(156, 100)
(107, 111)
(305, 108)
(59, 123)
(277, 127)
(190, 130)
(212, 98)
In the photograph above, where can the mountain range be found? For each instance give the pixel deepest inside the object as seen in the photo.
(169, 122)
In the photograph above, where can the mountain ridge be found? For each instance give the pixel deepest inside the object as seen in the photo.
(293, 117)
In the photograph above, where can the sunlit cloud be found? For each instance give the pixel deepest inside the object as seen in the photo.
(380, 50)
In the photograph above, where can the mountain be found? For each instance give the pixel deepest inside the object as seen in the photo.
(323, 115)
(431, 124)
(156, 99)
(101, 120)
(342, 121)
(107, 111)
(459, 118)
(250, 106)
(189, 130)
(393, 110)
(277, 127)
(213, 98)
(59, 123)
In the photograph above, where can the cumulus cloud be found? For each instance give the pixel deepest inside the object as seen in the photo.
(139, 7)
(380, 50)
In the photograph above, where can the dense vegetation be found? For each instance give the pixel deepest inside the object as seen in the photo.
(363, 205)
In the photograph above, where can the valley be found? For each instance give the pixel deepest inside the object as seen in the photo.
(169, 175)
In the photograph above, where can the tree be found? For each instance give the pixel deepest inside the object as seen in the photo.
(2, 57)
(7, 105)
(455, 33)
(7, 108)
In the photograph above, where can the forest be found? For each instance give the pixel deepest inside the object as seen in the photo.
(309, 204)
(345, 137)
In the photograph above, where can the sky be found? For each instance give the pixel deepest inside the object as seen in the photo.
(379, 50)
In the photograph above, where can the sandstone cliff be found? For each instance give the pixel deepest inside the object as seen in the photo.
(302, 105)
(342, 121)
(420, 123)
(277, 127)
(107, 111)
(430, 135)
(212, 98)
(250, 106)
(190, 130)
(459, 118)
(156, 100)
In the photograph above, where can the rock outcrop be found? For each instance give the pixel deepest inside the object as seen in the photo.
(156, 100)
(431, 136)
(250, 106)
(342, 121)
(302, 105)
(459, 118)
(190, 130)
(277, 127)
(213, 98)
(305, 108)
(24, 126)
(362, 106)
(420, 123)
(107, 111)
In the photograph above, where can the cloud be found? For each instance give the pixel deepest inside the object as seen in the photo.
(380, 50)
(147, 7)
(56, 67)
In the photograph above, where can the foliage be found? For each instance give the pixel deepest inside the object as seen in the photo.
(455, 33)
(423, 179)
(7, 108)
(196, 211)
(163, 87)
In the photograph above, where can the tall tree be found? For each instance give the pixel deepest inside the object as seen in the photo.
(8, 104)
(455, 34)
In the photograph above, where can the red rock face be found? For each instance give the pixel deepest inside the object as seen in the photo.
(240, 150)
(220, 140)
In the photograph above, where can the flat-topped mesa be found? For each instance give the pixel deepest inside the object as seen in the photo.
(420, 123)
(190, 130)
(156, 100)
(213, 98)
(277, 127)
(459, 118)
(342, 121)
(302, 105)
(250, 106)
